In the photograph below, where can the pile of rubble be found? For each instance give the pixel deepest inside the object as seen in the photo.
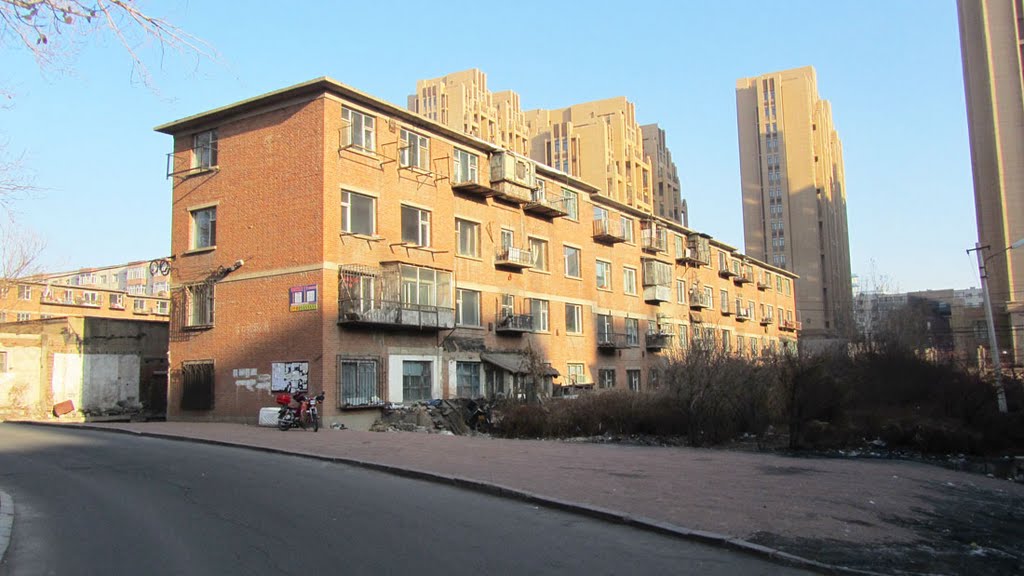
(459, 416)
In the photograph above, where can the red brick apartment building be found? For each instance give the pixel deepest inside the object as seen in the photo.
(322, 237)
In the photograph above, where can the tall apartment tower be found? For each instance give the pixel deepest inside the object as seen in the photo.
(668, 200)
(462, 102)
(992, 46)
(794, 194)
(599, 142)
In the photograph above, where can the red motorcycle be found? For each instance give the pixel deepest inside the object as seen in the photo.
(297, 410)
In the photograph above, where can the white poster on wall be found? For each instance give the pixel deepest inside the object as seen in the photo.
(289, 376)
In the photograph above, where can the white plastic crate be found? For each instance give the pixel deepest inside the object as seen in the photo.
(268, 416)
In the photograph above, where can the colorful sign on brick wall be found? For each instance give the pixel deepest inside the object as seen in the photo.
(303, 297)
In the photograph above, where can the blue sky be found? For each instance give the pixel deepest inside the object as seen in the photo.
(891, 69)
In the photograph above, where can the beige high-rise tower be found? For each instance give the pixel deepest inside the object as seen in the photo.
(992, 46)
(599, 142)
(461, 101)
(794, 194)
(668, 200)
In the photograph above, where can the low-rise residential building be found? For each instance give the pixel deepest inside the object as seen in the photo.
(326, 239)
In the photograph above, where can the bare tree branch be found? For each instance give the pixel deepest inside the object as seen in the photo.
(20, 250)
(46, 28)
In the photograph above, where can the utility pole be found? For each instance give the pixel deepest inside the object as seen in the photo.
(993, 345)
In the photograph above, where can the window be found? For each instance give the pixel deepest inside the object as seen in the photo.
(358, 213)
(359, 384)
(197, 383)
(415, 226)
(465, 167)
(467, 307)
(539, 311)
(572, 261)
(573, 319)
(600, 214)
(137, 290)
(163, 307)
(161, 288)
(415, 152)
(139, 306)
(360, 129)
(575, 374)
(753, 347)
(709, 295)
(508, 306)
(426, 287)
(539, 249)
(3, 362)
(606, 377)
(726, 341)
(789, 286)
(137, 273)
(416, 380)
(204, 150)
(508, 239)
(199, 305)
(571, 204)
(778, 284)
(629, 280)
(633, 379)
(116, 301)
(684, 332)
(24, 292)
(724, 295)
(632, 332)
(90, 298)
(627, 229)
(467, 379)
(680, 291)
(604, 275)
(604, 328)
(204, 227)
(468, 236)
(23, 316)
(740, 344)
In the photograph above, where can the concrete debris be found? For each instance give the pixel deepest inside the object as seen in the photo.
(458, 416)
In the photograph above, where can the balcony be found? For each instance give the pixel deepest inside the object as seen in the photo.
(514, 324)
(657, 293)
(658, 340)
(699, 300)
(789, 325)
(688, 257)
(608, 231)
(745, 277)
(653, 240)
(611, 341)
(762, 285)
(726, 272)
(512, 257)
(547, 206)
(726, 311)
(766, 320)
(391, 314)
(743, 314)
(475, 188)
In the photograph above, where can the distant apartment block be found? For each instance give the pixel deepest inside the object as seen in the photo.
(992, 46)
(393, 259)
(794, 195)
(668, 199)
(137, 290)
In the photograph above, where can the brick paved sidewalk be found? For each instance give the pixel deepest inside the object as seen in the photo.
(849, 504)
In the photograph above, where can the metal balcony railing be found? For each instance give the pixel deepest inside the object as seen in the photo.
(549, 206)
(368, 311)
(513, 257)
(514, 324)
(658, 340)
(699, 300)
(608, 231)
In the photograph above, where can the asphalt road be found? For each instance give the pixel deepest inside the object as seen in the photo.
(99, 503)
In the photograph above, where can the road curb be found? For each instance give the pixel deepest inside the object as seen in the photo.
(605, 514)
(6, 522)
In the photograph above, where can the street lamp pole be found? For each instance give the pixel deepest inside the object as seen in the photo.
(997, 369)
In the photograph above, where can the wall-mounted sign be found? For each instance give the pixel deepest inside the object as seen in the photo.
(289, 376)
(303, 297)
